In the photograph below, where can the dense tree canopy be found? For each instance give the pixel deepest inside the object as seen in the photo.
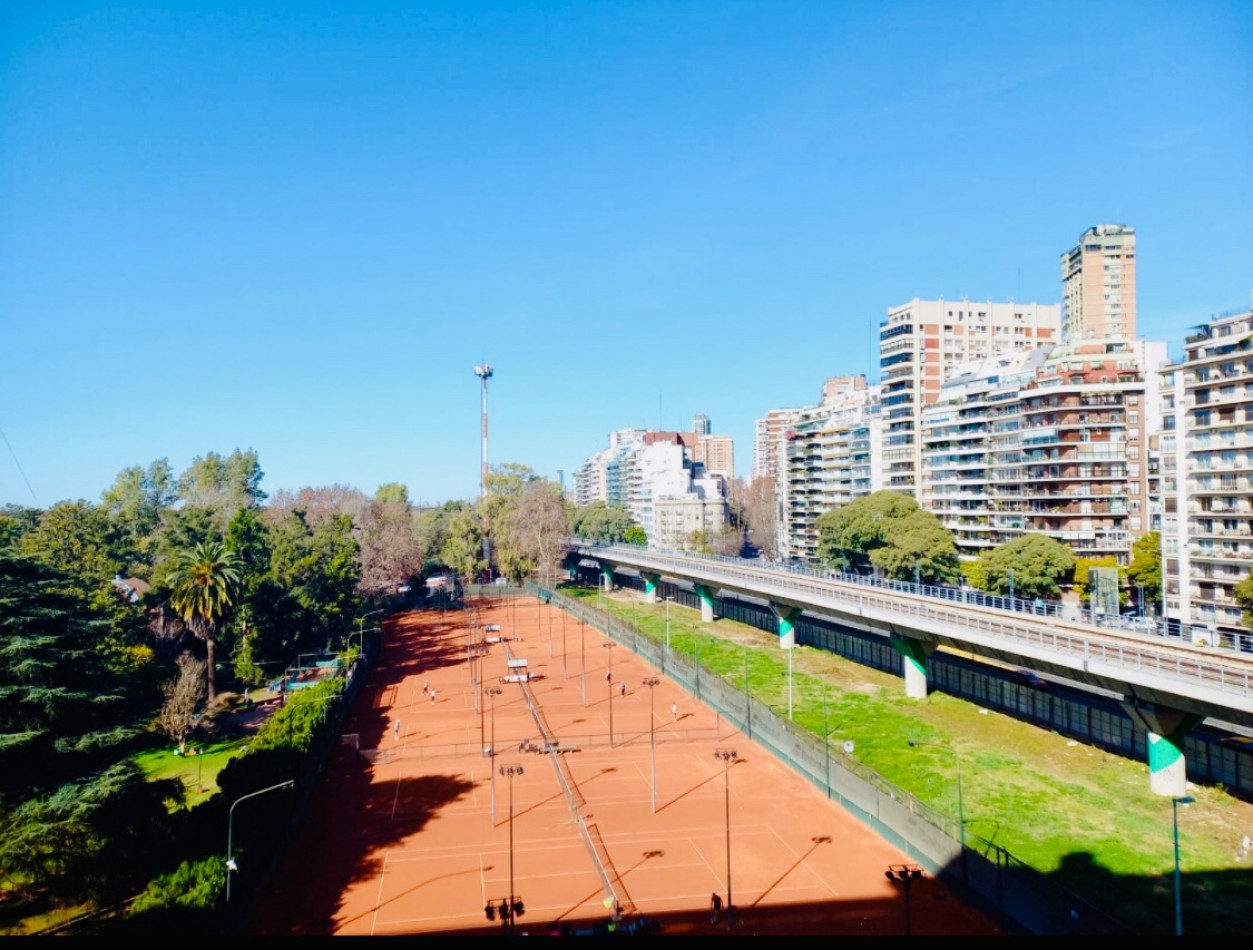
(889, 531)
(600, 522)
(1038, 562)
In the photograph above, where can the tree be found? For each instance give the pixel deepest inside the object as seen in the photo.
(68, 808)
(223, 485)
(1145, 568)
(535, 523)
(392, 493)
(887, 530)
(600, 522)
(760, 515)
(184, 695)
(1079, 580)
(390, 550)
(78, 538)
(136, 501)
(635, 535)
(463, 546)
(203, 584)
(1037, 561)
(1242, 591)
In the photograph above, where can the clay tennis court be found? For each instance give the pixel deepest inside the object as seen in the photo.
(413, 830)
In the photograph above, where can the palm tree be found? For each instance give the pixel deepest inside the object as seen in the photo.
(203, 583)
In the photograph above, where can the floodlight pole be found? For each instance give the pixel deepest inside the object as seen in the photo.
(727, 756)
(651, 682)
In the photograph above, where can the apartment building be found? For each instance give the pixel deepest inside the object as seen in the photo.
(920, 345)
(827, 459)
(1053, 442)
(1099, 285)
(1207, 473)
(767, 434)
(970, 445)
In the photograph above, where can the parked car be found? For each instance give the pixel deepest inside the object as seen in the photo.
(1027, 678)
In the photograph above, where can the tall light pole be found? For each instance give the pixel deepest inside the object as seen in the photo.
(789, 682)
(231, 865)
(484, 372)
(1174, 807)
(727, 756)
(493, 692)
(668, 599)
(583, 657)
(609, 679)
(511, 771)
(1011, 588)
(650, 682)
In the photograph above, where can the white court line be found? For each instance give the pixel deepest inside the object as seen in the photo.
(378, 899)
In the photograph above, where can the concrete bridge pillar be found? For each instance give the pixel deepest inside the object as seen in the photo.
(606, 577)
(707, 596)
(1166, 728)
(787, 624)
(650, 587)
(915, 653)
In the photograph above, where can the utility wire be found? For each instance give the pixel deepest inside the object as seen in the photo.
(19, 467)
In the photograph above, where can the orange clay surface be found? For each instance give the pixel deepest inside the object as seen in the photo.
(415, 832)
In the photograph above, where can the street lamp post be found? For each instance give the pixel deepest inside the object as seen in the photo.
(609, 679)
(493, 691)
(789, 682)
(1011, 588)
(583, 658)
(1184, 800)
(668, 599)
(727, 756)
(1140, 600)
(904, 875)
(231, 865)
(514, 903)
(650, 682)
(361, 622)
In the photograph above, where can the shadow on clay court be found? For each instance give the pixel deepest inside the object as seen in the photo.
(304, 901)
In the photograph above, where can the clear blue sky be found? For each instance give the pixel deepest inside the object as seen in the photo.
(296, 227)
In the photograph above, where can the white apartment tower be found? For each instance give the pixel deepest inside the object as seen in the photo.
(1206, 465)
(1099, 285)
(920, 345)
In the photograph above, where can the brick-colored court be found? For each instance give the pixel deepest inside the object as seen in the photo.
(412, 833)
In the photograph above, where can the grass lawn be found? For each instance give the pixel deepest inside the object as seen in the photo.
(198, 772)
(1057, 805)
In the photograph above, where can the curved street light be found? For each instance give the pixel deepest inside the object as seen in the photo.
(231, 867)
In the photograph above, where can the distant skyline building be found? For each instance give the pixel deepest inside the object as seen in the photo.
(701, 425)
(1099, 285)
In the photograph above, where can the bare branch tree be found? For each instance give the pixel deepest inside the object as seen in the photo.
(184, 695)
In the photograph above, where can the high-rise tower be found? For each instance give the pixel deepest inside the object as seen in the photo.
(1099, 285)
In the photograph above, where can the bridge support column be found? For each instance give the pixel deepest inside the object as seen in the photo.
(650, 587)
(1166, 726)
(606, 577)
(706, 596)
(915, 653)
(787, 624)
